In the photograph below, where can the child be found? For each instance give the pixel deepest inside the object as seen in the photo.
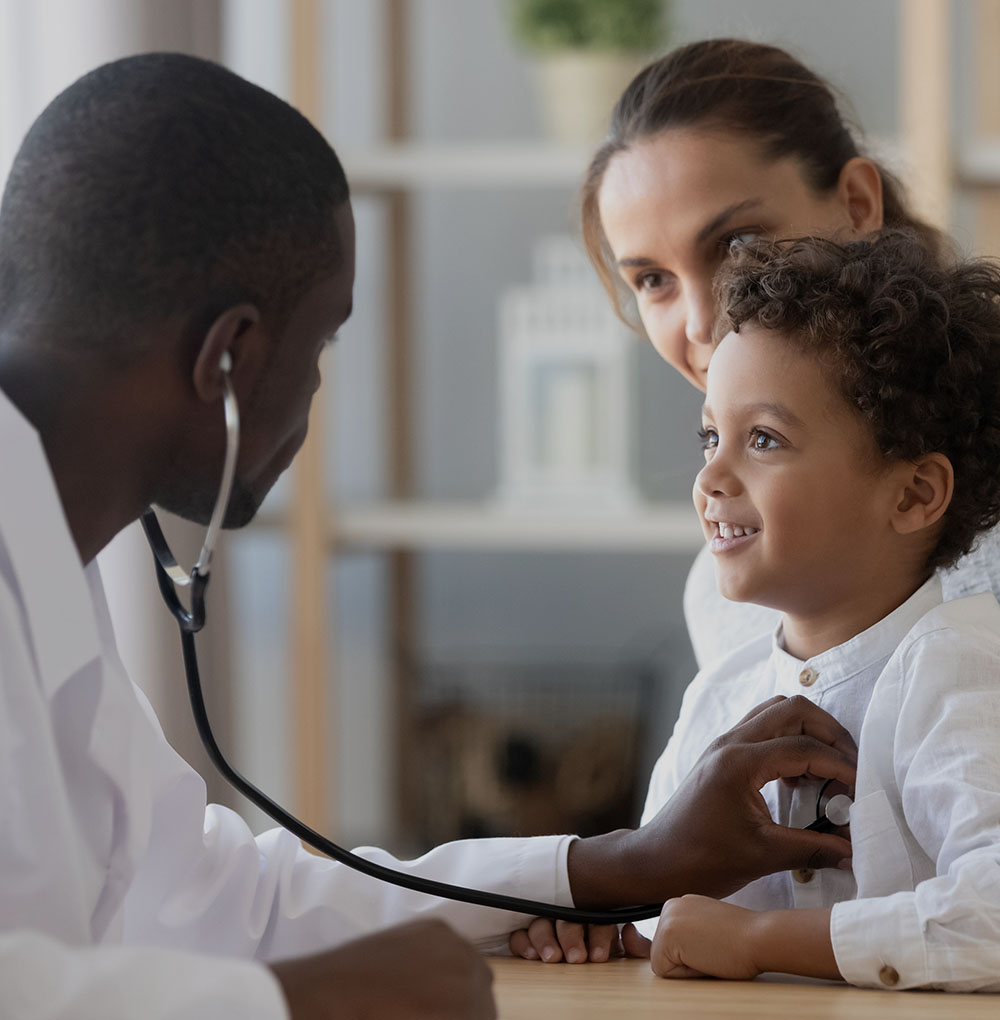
(852, 446)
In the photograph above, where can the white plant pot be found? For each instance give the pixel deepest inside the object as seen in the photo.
(577, 90)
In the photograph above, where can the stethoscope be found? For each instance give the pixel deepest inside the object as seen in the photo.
(171, 577)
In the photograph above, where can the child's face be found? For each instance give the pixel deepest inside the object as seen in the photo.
(794, 498)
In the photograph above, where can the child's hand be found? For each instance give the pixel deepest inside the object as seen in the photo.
(701, 937)
(576, 943)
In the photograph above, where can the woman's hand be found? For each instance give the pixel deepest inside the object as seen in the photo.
(553, 942)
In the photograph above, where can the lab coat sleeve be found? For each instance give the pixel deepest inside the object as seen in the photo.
(945, 933)
(43, 979)
(206, 884)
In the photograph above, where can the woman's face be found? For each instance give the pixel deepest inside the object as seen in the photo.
(671, 204)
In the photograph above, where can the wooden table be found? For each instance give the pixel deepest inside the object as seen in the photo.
(628, 989)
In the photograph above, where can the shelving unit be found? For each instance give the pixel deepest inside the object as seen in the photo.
(420, 527)
(400, 526)
(406, 167)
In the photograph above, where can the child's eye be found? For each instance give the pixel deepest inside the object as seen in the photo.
(709, 438)
(762, 441)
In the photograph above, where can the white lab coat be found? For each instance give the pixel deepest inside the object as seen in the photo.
(121, 894)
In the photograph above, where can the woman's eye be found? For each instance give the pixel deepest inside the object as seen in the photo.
(709, 438)
(648, 281)
(761, 441)
(733, 241)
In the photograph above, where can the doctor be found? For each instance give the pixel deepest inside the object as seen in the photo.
(162, 213)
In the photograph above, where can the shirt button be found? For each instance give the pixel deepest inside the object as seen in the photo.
(889, 976)
(803, 875)
(808, 677)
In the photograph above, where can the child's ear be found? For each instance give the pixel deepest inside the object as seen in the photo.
(926, 487)
(859, 189)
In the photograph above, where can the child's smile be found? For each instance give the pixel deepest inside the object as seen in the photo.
(729, 536)
(794, 498)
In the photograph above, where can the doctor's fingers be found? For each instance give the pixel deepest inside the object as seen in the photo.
(785, 717)
(793, 849)
(802, 755)
(634, 944)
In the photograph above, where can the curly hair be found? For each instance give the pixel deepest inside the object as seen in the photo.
(913, 340)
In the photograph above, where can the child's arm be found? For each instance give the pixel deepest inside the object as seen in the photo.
(698, 937)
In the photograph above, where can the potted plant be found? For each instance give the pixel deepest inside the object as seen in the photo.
(587, 51)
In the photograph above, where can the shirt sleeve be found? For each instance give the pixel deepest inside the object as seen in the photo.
(946, 932)
(207, 884)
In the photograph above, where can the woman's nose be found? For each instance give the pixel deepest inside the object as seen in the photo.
(700, 316)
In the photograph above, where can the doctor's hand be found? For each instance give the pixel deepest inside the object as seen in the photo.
(715, 834)
(413, 972)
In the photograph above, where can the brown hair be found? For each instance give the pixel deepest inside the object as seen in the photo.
(913, 342)
(750, 88)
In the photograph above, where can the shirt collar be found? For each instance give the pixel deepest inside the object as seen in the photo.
(50, 579)
(871, 646)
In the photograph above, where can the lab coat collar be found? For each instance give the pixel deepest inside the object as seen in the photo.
(47, 570)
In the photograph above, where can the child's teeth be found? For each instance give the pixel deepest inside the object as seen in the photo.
(736, 530)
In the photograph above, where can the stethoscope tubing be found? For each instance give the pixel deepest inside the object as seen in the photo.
(407, 881)
(191, 620)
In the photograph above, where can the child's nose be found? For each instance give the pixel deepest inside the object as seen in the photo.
(717, 477)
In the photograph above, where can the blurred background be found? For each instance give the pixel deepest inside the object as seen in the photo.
(460, 613)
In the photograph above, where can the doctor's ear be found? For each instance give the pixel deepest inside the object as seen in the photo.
(925, 493)
(235, 342)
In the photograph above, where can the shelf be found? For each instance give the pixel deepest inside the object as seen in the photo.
(468, 165)
(657, 527)
(978, 165)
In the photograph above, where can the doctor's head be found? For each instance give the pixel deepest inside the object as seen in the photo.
(718, 140)
(162, 212)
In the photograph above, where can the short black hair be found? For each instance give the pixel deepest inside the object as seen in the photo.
(157, 185)
(912, 339)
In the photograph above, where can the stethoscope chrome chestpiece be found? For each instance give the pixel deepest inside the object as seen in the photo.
(833, 810)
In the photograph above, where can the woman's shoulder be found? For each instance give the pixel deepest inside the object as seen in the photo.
(716, 626)
(977, 571)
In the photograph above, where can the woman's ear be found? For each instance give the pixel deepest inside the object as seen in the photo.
(238, 333)
(924, 495)
(859, 188)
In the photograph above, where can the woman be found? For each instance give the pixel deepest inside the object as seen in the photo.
(716, 141)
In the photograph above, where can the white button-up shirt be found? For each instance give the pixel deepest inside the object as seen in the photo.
(920, 692)
(121, 895)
